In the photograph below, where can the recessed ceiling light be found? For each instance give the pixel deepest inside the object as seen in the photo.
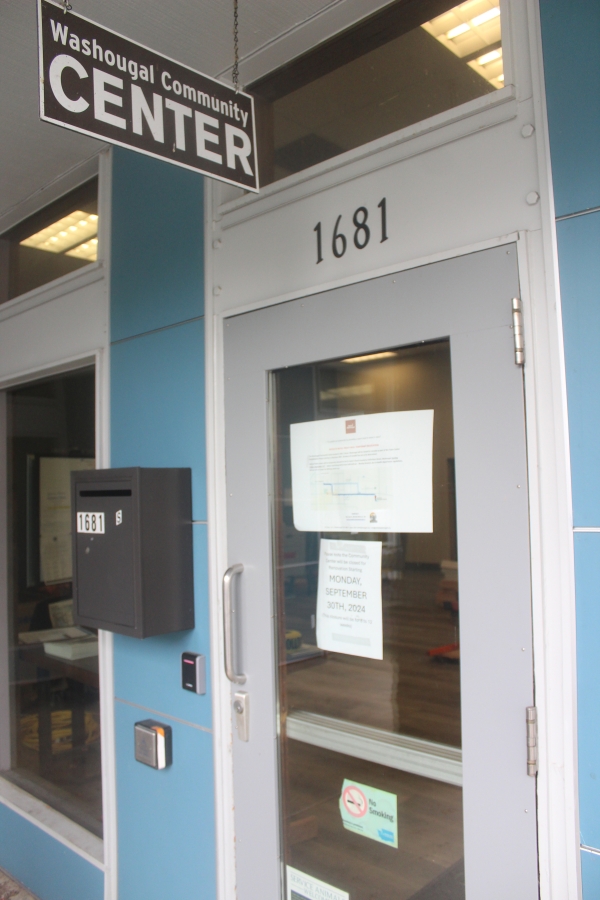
(369, 356)
(460, 29)
(489, 57)
(64, 234)
(486, 16)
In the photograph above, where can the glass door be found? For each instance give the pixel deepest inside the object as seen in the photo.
(368, 649)
(378, 597)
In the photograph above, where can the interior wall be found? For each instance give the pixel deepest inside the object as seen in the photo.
(165, 818)
(572, 74)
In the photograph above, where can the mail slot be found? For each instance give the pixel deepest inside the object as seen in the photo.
(132, 550)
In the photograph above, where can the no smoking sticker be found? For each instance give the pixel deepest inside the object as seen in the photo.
(370, 812)
(355, 802)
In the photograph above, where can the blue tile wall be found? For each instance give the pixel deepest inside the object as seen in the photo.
(166, 818)
(48, 868)
(157, 271)
(572, 71)
(590, 875)
(571, 53)
(587, 580)
(579, 258)
(148, 672)
(157, 417)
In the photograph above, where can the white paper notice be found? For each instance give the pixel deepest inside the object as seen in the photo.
(367, 473)
(55, 516)
(349, 616)
(304, 887)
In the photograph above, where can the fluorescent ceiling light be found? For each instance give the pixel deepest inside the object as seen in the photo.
(350, 390)
(460, 29)
(486, 16)
(470, 31)
(489, 57)
(369, 356)
(69, 232)
(88, 250)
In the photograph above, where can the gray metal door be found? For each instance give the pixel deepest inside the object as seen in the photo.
(430, 733)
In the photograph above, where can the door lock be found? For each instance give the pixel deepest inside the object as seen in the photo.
(240, 707)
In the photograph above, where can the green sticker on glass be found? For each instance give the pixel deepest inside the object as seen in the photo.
(370, 812)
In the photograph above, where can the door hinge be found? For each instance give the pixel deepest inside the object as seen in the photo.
(517, 324)
(532, 740)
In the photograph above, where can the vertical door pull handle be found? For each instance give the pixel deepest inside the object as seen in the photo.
(228, 577)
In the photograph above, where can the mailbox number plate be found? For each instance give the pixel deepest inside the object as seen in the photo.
(90, 523)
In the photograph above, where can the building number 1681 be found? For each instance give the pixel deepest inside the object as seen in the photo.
(90, 522)
(360, 236)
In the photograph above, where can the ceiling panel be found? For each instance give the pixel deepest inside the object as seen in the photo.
(198, 33)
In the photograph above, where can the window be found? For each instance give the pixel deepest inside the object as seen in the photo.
(55, 717)
(59, 239)
(407, 63)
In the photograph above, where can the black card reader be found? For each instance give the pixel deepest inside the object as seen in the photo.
(193, 672)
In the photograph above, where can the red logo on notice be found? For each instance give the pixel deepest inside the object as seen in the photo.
(350, 426)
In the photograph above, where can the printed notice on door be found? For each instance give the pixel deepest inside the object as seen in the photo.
(304, 887)
(55, 516)
(349, 618)
(365, 473)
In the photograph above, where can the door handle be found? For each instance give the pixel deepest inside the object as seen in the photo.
(228, 577)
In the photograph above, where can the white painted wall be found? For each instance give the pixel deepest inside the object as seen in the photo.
(54, 324)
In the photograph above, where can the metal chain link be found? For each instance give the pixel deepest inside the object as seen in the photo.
(235, 72)
(66, 6)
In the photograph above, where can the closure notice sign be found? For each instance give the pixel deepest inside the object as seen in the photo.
(97, 82)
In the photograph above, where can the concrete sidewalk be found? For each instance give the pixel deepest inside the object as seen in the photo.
(12, 890)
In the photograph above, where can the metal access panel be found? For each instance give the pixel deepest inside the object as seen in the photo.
(132, 550)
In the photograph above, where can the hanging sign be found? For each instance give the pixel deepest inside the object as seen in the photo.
(99, 83)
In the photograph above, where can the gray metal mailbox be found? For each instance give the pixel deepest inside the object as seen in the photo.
(132, 550)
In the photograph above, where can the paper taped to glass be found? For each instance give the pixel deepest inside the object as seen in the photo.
(301, 886)
(365, 473)
(349, 606)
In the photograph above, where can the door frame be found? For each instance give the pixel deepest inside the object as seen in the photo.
(550, 547)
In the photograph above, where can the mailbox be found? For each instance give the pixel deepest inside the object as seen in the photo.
(132, 550)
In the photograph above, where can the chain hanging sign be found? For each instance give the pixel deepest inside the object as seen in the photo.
(99, 83)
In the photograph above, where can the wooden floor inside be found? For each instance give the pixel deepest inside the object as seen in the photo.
(428, 861)
(408, 692)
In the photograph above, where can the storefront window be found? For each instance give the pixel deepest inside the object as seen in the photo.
(405, 64)
(57, 240)
(54, 664)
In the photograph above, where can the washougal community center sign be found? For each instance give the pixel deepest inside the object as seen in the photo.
(97, 82)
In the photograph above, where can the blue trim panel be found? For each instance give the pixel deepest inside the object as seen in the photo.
(572, 72)
(157, 404)
(579, 259)
(166, 817)
(45, 866)
(157, 265)
(590, 875)
(587, 580)
(148, 672)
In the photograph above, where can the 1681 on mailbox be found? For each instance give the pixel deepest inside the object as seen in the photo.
(132, 550)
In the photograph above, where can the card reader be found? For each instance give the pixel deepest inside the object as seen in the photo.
(193, 672)
(153, 743)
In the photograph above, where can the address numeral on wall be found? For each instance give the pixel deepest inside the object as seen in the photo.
(361, 235)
